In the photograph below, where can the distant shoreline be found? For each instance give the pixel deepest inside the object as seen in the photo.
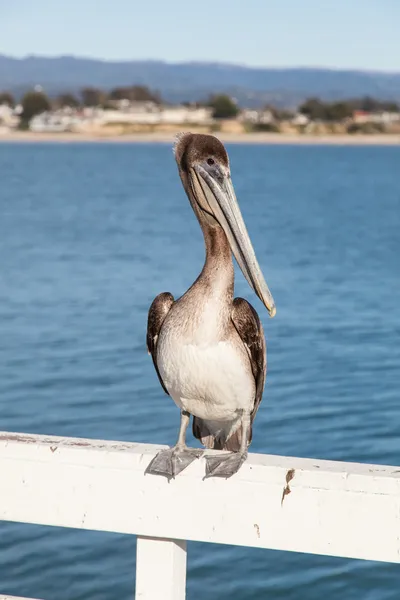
(245, 138)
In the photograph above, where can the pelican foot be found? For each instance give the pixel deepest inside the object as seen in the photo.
(225, 465)
(170, 463)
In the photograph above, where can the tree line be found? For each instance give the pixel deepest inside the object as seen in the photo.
(317, 110)
(36, 102)
(90, 96)
(222, 105)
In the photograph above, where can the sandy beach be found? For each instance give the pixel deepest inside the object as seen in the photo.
(249, 138)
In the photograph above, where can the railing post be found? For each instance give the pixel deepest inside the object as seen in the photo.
(160, 569)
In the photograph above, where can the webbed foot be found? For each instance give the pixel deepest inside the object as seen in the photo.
(170, 463)
(225, 465)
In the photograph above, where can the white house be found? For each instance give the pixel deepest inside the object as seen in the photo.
(300, 119)
(54, 122)
(9, 118)
(384, 117)
(148, 113)
(141, 113)
(263, 117)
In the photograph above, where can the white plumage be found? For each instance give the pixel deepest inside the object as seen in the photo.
(210, 381)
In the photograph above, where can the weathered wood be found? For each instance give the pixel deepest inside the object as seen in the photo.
(333, 508)
(160, 569)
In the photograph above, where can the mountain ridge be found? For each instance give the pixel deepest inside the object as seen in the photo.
(196, 80)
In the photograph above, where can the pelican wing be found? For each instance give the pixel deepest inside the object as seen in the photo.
(250, 330)
(159, 309)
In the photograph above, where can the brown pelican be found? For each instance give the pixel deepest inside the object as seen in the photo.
(208, 348)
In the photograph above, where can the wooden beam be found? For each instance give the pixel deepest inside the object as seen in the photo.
(303, 505)
(160, 569)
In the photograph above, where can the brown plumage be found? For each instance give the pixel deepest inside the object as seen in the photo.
(195, 147)
(158, 311)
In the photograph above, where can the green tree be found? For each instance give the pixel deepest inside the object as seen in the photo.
(338, 111)
(390, 106)
(34, 103)
(135, 93)
(141, 93)
(223, 107)
(370, 104)
(317, 110)
(282, 114)
(7, 98)
(93, 97)
(120, 93)
(67, 99)
(314, 109)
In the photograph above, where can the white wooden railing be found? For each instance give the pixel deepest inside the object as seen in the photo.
(305, 505)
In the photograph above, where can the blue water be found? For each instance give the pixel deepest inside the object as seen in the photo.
(89, 234)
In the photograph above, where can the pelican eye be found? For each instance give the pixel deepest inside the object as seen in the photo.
(210, 161)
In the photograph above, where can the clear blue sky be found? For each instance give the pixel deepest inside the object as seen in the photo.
(335, 33)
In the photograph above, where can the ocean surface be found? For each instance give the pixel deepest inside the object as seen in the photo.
(91, 233)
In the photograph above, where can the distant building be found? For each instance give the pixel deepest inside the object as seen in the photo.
(264, 117)
(58, 121)
(300, 119)
(9, 117)
(149, 113)
(136, 113)
(383, 117)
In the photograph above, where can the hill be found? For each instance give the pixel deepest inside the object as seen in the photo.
(196, 80)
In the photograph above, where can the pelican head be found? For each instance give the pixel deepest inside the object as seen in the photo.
(203, 165)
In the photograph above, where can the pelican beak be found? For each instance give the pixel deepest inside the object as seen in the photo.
(214, 193)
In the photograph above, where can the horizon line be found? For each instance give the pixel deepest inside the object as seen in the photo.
(201, 62)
